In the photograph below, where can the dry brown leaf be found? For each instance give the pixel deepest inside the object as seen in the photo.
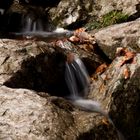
(128, 58)
(101, 69)
(129, 55)
(74, 39)
(126, 73)
(120, 51)
(105, 121)
(83, 35)
(70, 57)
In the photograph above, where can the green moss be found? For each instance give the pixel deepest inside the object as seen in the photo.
(110, 18)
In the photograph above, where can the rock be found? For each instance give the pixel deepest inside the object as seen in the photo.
(127, 6)
(40, 66)
(120, 35)
(26, 115)
(73, 14)
(118, 91)
(68, 12)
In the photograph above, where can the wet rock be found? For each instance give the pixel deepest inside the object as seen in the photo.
(118, 91)
(34, 114)
(120, 35)
(40, 66)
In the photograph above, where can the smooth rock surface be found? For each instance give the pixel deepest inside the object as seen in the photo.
(119, 35)
(26, 115)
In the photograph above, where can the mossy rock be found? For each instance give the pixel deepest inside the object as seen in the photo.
(110, 18)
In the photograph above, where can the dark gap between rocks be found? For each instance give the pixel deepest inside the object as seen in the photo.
(45, 73)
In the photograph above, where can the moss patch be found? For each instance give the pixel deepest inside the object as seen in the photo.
(110, 18)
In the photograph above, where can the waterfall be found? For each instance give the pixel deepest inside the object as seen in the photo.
(76, 77)
(31, 25)
(27, 24)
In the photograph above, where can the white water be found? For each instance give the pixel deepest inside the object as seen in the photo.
(29, 24)
(77, 78)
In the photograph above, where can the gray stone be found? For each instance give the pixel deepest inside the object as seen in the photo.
(119, 35)
(118, 91)
(26, 115)
(75, 11)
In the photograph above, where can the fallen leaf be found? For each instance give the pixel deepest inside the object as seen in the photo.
(120, 51)
(86, 47)
(101, 69)
(84, 36)
(126, 73)
(130, 55)
(74, 39)
(105, 121)
(128, 58)
(70, 57)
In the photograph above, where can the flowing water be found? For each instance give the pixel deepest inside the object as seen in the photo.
(30, 24)
(76, 77)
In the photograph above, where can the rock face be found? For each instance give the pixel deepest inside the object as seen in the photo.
(69, 14)
(42, 3)
(118, 90)
(25, 115)
(127, 6)
(77, 12)
(121, 35)
(39, 65)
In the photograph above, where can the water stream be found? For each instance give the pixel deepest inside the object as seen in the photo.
(76, 77)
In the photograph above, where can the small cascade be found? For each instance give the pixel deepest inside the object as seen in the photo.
(32, 25)
(27, 24)
(76, 77)
(32, 22)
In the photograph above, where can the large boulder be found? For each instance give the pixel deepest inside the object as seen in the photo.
(26, 115)
(119, 92)
(39, 65)
(75, 13)
(119, 35)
